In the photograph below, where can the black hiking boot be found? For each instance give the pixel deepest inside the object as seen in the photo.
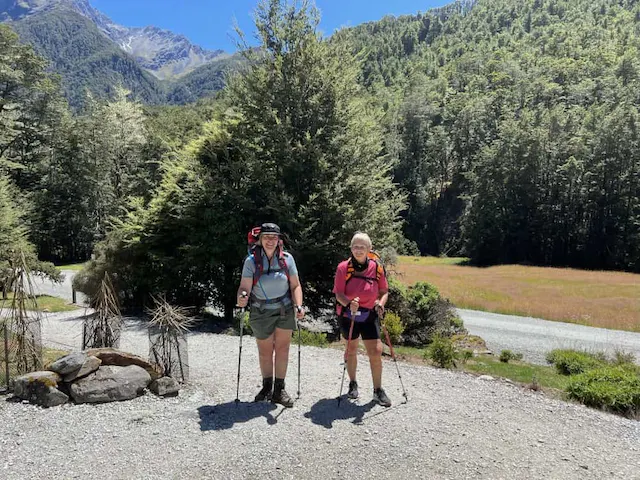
(353, 390)
(267, 390)
(280, 395)
(380, 396)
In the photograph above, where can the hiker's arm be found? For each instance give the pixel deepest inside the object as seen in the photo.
(296, 295)
(383, 296)
(246, 284)
(339, 287)
(342, 299)
(296, 289)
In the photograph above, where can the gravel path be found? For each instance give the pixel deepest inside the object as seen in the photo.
(454, 426)
(61, 290)
(534, 337)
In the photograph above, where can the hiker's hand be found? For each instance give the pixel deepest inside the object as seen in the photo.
(243, 300)
(379, 308)
(300, 311)
(355, 305)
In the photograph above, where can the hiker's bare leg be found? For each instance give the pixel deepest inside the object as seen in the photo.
(265, 354)
(282, 342)
(352, 358)
(374, 350)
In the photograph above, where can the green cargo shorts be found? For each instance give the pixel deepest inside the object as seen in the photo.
(264, 321)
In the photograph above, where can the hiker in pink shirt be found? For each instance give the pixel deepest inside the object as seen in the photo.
(361, 291)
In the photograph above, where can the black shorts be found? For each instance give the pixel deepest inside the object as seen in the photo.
(368, 330)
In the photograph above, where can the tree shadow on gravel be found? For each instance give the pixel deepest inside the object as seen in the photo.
(226, 415)
(326, 411)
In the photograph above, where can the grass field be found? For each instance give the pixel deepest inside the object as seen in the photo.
(72, 266)
(595, 298)
(45, 304)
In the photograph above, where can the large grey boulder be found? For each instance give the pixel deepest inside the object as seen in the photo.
(91, 364)
(111, 384)
(40, 388)
(69, 363)
(165, 387)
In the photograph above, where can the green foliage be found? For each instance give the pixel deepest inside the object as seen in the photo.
(514, 137)
(314, 339)
(296, 120)
(442, 352)
(507, 355)
(14, 239)
(429, 315)
(621, 357)
(465, 355)
(613, 388)
(394, 325)
(572, 362)
(422, 311)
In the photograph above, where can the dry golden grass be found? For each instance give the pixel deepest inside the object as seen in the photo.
(595, 298)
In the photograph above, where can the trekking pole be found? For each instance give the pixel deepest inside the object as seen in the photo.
(393, 355)
(242, 312)
(346, 356)
(299, 342)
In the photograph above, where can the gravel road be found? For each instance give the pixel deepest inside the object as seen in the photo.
(61, 290)
(534, 337)
(454, 426)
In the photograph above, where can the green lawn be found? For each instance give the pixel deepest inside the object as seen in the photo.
(72, 266)
(520, 372)
(45, 304)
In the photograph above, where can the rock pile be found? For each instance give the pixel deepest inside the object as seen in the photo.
(94, 376)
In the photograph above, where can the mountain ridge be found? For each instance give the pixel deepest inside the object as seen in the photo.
(161, 52)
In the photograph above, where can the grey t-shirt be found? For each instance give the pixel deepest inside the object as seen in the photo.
(273, 283)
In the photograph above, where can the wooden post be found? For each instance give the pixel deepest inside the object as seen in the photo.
(6, 352)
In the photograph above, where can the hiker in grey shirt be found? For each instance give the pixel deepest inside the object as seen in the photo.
(270, 278)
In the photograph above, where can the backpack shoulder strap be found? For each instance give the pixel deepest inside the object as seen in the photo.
(282, 261)
(350, 270)
(256, 254)
(380, 271)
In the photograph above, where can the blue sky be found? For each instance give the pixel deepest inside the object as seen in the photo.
(209, 23)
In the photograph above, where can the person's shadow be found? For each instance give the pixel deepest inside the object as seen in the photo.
(326, 411)
(226, 415)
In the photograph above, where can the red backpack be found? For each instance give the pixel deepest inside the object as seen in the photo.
(254, 250)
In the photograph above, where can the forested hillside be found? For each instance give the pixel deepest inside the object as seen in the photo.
(513, 126)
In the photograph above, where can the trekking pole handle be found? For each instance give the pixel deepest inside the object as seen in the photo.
(243, 295)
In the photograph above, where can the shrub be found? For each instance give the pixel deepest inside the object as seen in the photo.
(398, 301)
(441, 352)
(246, 328)
(507, 355)
(573, 362)
(457, 325)
(394, 327)
(623, 358)
(466, 355)
(314, 339)
(613, 388)
(423, 312)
